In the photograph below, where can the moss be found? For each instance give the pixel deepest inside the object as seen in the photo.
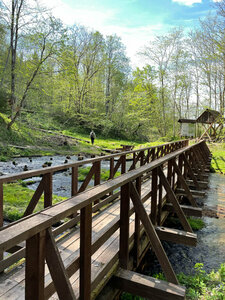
(196, 223)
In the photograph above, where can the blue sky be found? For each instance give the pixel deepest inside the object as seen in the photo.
(135, 21)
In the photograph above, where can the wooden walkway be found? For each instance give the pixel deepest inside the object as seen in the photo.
(96, 253)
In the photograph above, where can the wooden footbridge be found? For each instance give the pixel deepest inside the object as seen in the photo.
(106, 230)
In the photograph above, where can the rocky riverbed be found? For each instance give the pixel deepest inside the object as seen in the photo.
(211, 239)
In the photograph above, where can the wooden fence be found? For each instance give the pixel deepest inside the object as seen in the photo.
(185, 167)
(139, 157)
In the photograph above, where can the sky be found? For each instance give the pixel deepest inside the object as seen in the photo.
(135, 21)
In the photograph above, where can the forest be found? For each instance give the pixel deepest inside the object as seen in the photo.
(83, 79)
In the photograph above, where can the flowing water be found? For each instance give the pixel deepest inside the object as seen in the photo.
(61, 180)
(210, 249)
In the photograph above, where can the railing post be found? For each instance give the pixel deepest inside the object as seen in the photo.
(153, 154)
(154, 195)
(47, 189)
(74, 184)
(134, 160)
(97, 178)
(137, 227)
(111, 167)
(123, 164)
(85, 252)
(35, 267)
(124, 225)
(159, 203)
(142, 158)
(74, 181)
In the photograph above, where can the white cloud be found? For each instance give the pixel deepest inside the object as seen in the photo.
(187, 2)
(216, 0)
(133, 38)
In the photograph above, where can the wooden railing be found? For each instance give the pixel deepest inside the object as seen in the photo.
(185, 164)
(139, 157)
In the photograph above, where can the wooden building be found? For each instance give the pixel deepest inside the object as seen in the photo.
(207, 126)
(187, 127)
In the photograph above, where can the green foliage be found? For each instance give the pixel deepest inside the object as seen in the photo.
(83, 172)
(16, 199)
(196, 223)
(202, 285)
(218, 159)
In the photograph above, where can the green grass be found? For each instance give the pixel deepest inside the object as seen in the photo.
(218, 159)
(199, 286)
(196, 223)
(24, 133)
(16, 199)
(83, 172)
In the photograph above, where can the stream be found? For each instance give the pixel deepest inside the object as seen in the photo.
(61, 180)
(210, 249)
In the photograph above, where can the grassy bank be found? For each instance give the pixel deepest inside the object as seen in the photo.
(48, 138)
(199, 286)
(17, 196)
(218, 158)
(16, 200)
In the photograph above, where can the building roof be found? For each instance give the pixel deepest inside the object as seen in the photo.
(187, 121)
(209, 116)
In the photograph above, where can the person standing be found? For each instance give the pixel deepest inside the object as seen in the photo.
(92, 136)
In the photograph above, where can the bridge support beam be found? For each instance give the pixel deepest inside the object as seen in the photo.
(152, 235)
(188, 210)
(176, 236)
(146, 286)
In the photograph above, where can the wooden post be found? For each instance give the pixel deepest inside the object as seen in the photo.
(35, 267)
(111, 168)
(153, 237)
(142, 158)
(34, 200)
(123, 164)
(137, 227)
(173, 200)
(47, 181)
(184, 184)
(134, 159)
(57, 269)
(97, 179)
(159, 203)
(74, 181)
(124, 226)
(85, 252)
(74, 185)
(154, 195)
(153, 154)
(111, 171)
(190, 171)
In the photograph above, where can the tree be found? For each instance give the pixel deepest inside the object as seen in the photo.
(116, 70)
(160, 53)
(41, 45)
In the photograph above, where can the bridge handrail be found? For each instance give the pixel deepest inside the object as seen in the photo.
(33, 173)
(25, 228)
(40, 243)
(46, 184)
